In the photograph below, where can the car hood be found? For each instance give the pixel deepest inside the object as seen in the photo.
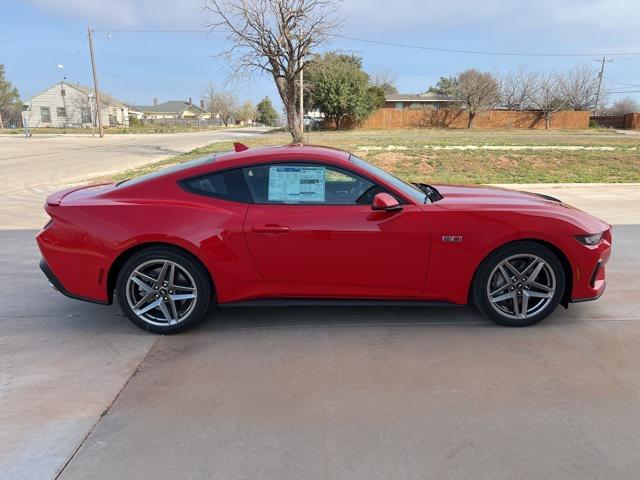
(485, 198)
(466, 194)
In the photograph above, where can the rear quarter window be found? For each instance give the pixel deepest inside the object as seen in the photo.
(229, 185)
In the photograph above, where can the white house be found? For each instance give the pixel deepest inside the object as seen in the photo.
(74, 105)
(172, 109)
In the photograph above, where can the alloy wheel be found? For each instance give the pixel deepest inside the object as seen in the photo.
(521, 286)
(161, 292)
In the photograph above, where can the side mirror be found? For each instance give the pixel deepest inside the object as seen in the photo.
(385, 202)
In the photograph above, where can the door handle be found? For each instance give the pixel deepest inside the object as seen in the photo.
(271, 229)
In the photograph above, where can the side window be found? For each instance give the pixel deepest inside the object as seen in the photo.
(229, 185)
(308, 184)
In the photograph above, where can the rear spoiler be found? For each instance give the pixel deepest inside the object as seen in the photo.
(56, 198)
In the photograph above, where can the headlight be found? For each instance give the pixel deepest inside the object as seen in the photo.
(592, 239)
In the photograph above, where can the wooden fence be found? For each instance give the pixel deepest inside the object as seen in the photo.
(632, 120)
(608, 121)
(497, 119)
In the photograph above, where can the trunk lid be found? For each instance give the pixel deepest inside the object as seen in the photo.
(78, 192)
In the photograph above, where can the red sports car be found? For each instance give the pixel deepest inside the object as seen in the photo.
(307, 225)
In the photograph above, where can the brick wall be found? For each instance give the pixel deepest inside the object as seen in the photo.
(493, 119)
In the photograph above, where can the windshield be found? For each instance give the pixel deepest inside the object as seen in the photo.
(174, 168)
(406, 188)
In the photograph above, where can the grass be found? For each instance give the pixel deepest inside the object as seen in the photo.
(418, 155)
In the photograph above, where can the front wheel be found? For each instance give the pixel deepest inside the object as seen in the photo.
(163, 290)
(519, 285)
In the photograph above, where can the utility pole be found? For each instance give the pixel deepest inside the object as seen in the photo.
(95, 84)
(600, 75)
(302, 100)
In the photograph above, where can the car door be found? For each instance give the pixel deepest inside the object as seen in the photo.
(312, 233)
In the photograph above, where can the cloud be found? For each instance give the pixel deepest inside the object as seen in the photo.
(428, 15)
(173, 14)
(604, 24)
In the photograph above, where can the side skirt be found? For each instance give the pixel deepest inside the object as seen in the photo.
(333, 302)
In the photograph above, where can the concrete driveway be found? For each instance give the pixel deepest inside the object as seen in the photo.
(318, 393)
(325, 392)
(33, 168)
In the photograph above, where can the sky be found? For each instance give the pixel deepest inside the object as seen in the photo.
(39, 35)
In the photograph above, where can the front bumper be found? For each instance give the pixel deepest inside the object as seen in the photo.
(589, 271)
(55, 283)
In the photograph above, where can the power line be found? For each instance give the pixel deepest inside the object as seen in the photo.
(486, 52)
(75, 57)
(623, 83)
(623, 91)
(415, 47)
(148, 31)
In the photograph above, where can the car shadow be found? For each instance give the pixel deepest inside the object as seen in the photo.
(337, 316)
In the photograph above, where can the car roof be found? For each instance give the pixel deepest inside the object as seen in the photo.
(285, 152)
(227, 160)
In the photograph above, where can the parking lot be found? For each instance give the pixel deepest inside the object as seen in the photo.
(353, 393)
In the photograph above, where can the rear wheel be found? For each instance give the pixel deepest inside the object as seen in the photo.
(519, 284)
(163, 290)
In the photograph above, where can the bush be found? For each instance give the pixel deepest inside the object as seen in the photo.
(593, 124)
(134, 121)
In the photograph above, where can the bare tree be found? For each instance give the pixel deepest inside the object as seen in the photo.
(478, 91)
(580, 87)
(385, 79)
(516, 89)
(548, 96)
(622, 106)
(220, 104)
(275, 37)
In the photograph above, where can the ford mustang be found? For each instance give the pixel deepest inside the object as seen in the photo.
(308, 225)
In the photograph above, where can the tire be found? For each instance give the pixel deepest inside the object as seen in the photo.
(168, 293)
(536, 282)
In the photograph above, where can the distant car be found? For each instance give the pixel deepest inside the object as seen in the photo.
(307, 225)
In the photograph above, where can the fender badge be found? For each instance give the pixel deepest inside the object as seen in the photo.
(452, 238)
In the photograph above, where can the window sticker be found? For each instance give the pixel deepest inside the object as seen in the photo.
(296, 184)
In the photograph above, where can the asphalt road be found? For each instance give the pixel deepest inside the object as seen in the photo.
(33, 168)
(323, 392)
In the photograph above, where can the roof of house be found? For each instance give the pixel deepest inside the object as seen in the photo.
(419, 97)
(104, 97)
(172, 106)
